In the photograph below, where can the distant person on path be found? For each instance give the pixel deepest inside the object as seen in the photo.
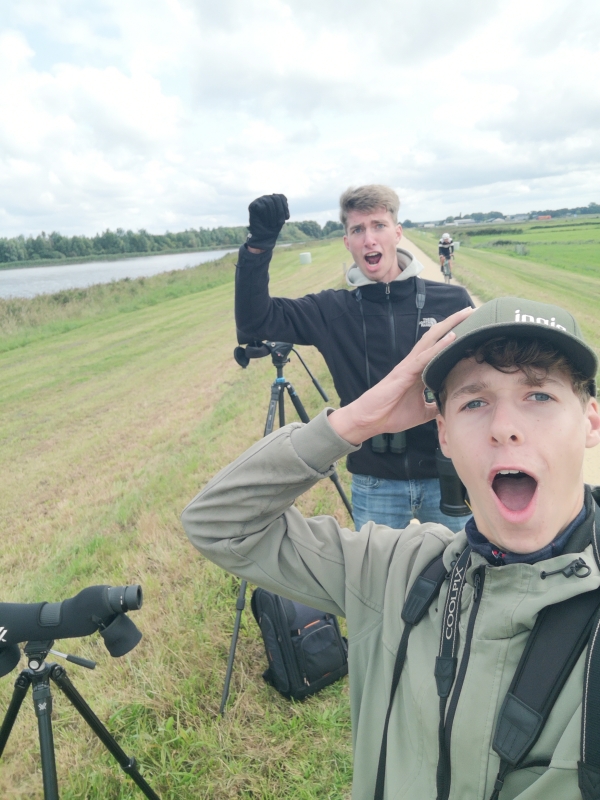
(445, 250)
(362, 333)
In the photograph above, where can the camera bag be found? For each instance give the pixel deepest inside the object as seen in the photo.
(304, 647)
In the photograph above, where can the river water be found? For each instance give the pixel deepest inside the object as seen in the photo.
(30, 281)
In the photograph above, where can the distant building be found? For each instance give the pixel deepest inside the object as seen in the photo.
(429, 225)
(544, 216)
(464, 222)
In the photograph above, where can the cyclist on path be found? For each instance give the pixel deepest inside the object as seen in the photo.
(446, 250)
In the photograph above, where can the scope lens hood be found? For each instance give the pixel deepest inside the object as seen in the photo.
(240, 356)
(120, 636)
(9, 658)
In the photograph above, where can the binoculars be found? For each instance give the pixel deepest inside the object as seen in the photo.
(454, 500)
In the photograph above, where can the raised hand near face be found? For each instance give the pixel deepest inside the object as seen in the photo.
(397, 402)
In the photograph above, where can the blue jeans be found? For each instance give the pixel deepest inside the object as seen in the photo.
(395, 503)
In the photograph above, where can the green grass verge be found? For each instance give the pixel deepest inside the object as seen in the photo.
(492, 274)
(111, 422)
(572, 245)
(118, 405)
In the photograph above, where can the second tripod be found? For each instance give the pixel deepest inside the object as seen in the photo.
(279, 352)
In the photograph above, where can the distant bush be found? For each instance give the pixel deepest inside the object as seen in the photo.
(332, 228)
(492, 231)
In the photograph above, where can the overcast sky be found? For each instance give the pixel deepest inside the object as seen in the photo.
(170, 114)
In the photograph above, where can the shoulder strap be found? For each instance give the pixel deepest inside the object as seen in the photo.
(558, 638)
(589, 766)
(420, 302)
(425, 588)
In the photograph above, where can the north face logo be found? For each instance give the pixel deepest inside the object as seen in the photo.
(427, 322)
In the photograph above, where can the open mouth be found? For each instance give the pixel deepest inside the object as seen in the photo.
(514, 489)
(373, 259)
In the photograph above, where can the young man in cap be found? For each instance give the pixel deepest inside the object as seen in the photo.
(362, 333)
(515, 388)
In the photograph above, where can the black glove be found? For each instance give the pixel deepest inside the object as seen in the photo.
(267, 217)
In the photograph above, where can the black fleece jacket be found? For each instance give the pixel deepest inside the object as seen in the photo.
(332, 321)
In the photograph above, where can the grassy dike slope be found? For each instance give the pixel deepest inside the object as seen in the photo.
(488, 275)
(109, 427)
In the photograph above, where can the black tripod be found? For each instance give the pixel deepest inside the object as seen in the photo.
(39, 674)
(279, 352)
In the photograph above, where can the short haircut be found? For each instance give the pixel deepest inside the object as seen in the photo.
(534, 357)
(368, 198)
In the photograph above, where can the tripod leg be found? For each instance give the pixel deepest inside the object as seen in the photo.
(300, 410)
(240, 604)
(305, 418)
(22, 684)
(281, 407)
(127, 764)
(275, 402)
(276, 390)
(335, 478)
(42, 702)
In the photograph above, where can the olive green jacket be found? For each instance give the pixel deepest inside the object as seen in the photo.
(244, 521)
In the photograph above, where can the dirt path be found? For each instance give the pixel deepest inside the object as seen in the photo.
(591, 464)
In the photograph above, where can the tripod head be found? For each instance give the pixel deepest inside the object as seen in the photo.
(279, 352)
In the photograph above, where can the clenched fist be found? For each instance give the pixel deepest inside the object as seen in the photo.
(267, 217)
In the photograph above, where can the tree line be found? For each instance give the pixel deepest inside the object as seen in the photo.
(55, 246)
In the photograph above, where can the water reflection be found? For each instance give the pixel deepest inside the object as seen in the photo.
(30, 281)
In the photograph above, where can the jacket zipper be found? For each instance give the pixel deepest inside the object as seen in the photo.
(392, 321)
(388, 297)
(478, 580)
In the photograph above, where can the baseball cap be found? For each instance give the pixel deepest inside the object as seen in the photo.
(515, 316)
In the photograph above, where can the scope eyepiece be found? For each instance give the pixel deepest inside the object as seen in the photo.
(124, 598)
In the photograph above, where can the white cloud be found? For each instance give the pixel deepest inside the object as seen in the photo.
(176, 113)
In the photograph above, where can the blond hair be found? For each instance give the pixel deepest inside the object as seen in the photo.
(368, 198)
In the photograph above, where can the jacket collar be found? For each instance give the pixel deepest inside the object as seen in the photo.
(516, 593)
(574, 539)
(494, 556)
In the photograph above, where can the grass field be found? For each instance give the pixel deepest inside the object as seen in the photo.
(113, 416)
(562, 266)
(571, 244)
(118, 404)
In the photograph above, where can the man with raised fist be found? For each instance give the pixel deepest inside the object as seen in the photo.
(362, 333)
